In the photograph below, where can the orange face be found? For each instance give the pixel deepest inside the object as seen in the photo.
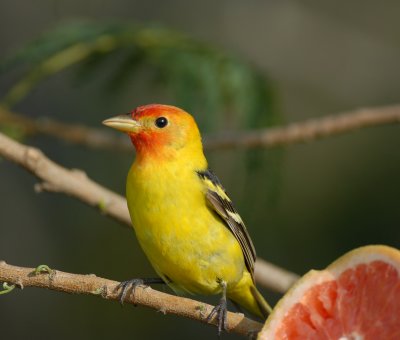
(157, 130)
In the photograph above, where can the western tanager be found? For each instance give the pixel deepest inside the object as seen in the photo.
(182, 216)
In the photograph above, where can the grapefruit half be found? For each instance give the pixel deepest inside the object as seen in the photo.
(356, 298)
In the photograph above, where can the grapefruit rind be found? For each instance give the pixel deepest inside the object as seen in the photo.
(365, 254)
(296, 293)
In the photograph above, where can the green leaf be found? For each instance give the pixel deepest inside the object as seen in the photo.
(201, 78)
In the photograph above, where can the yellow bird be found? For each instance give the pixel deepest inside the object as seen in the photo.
(182, 216)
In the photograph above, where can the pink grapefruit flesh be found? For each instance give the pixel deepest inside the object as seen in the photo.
(355, 298)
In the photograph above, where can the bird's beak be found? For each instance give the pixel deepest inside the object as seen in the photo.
(123, 123)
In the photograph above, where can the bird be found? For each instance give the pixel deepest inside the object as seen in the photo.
(183, 218)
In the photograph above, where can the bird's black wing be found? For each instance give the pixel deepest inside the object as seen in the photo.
(219, 201)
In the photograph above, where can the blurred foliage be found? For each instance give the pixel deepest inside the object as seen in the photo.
(14, 131)
(197, 75)
(229, 92)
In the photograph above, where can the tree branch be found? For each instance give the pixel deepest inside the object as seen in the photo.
(308, 130)
(273, 277)
(75, 183)
(107, 289)
(266, 138)
(72, 182)
(72, 133)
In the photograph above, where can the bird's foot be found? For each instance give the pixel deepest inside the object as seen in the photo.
(131, 285)
(220, 311)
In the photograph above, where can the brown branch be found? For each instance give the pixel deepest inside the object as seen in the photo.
(309, 130)
(72, 182)
(107, 289)
(273, 277)
(272, 137)
(75, 183)
(72, 133)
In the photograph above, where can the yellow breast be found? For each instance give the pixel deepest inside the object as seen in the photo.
(183, 239)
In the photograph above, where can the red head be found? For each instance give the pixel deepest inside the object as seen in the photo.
(158, 130)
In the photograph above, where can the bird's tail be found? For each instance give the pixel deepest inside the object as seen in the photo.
(246, 295)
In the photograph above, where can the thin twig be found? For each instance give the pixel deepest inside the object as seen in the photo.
(266, 138)
(107, 289)
(72, 133)
(309, 130)
(75, 183)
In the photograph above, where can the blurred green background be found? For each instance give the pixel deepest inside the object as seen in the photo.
(234, 65)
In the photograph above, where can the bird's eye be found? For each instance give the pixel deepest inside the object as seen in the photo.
(161, 122)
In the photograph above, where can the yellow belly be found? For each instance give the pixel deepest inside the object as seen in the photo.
(184, 240)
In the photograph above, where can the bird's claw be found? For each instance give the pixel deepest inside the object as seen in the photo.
(221, 311)
(125, 286)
